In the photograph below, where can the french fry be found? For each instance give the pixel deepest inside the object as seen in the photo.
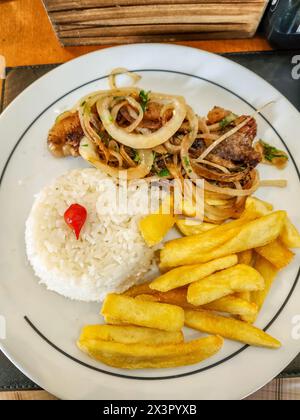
(229, 304)
(256, 206)
(188, 227)
(145, 314)
(230, 328)
(181, 249)
(148, 298)
(246, 257)
(130, 335)
(175, 297)
(139, 289)
(240, 278)
(234, 306)
(276, 253)
(244, 295)
(290, 236)
(188, 274)
(218, 243)
(114, 321)
(269, 273)
(140, 356)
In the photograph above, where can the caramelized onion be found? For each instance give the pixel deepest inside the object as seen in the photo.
(88, 151)
(146, 141)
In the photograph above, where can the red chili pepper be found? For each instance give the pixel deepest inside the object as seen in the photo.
(75, 217)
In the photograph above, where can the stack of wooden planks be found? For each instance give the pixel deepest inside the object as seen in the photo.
(100, 22)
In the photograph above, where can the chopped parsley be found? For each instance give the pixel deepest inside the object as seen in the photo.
(87, 109)
(186, 161)
(110, 118)
(84, 145)
(270, 152)
(227, 120)
(164, 173)
(144, 99)
(137, 157)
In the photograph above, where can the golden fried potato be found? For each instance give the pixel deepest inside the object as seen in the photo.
(139, 289)
(232, 305)
(155, 227)
(244, 295)
(269, 273)
(257, 207)
(276, 253)
(114, 321)
(230, 328)
(247, 297)
(188, 274)
(246, 257)
(189, 227)
(140, 356)
(290, 236)
(175, 297)
(240, 278)
(229, 304)
(145, 314)
(130, 334)
(148, 298)
(220, 241)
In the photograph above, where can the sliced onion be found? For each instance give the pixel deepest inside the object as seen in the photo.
(88, 151)
(121, 70)
(187, 142)
(116, 108)
(279, 183)
(206, 173)
(160, 150)
(171, 148)
(234, 192)
(139, 117)
(126, 157)
(140, 141)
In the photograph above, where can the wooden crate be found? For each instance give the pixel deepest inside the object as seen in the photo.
(102, 22)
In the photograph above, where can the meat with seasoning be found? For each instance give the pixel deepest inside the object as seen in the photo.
(65, 136)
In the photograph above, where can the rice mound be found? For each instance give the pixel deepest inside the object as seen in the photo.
(111, 254)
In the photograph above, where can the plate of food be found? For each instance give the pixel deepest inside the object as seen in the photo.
(149, 215)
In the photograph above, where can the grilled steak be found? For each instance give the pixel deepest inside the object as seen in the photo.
(65, 136)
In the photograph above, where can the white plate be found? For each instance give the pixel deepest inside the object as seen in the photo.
(41, 326)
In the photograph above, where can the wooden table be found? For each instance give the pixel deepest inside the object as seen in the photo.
(27, 38)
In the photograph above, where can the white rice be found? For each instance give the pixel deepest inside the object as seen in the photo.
(111, 254)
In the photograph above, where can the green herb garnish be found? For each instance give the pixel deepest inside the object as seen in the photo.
(144, 98)
(87, 109)
(227, 120)
(270, 152)
(186, 161)
(137, 157)
(85, 145)
(164, 173)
